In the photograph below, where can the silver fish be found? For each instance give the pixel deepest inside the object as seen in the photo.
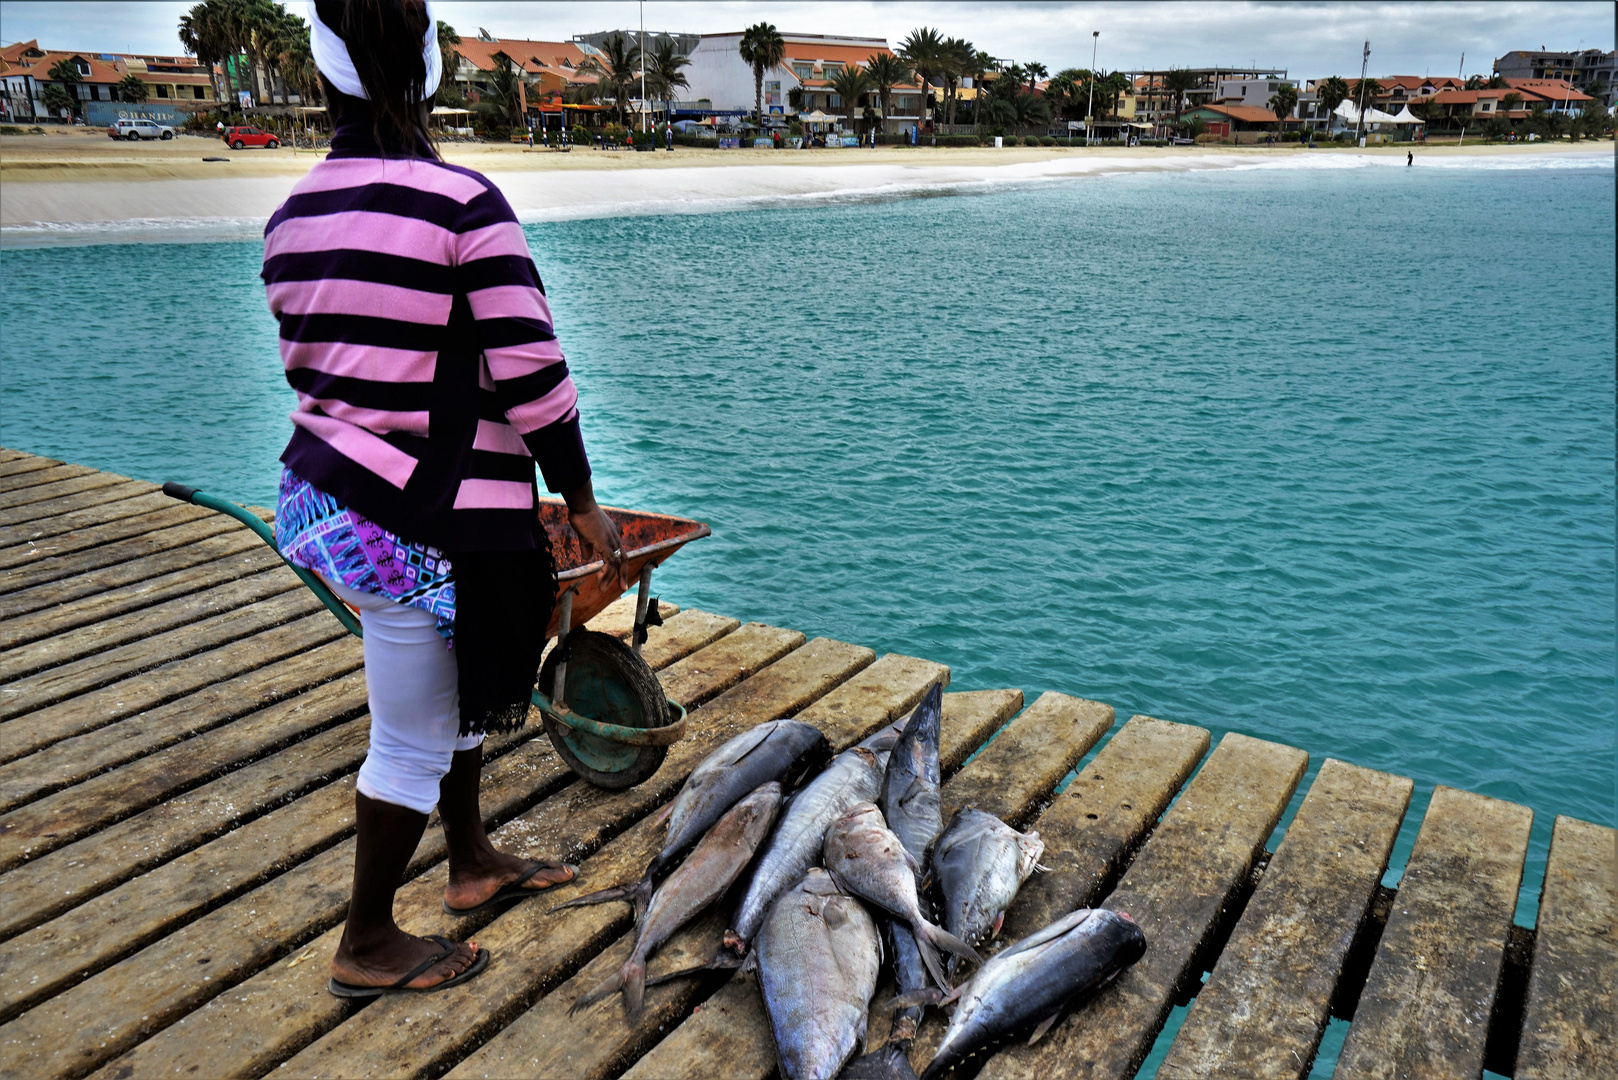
(1030, 983)
(818, 955)
(980, 862)
(769, 751)
(854, 776)
(866, 858)
(910, 788)
(707, 872)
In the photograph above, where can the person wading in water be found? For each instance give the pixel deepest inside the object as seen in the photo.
(415, 330)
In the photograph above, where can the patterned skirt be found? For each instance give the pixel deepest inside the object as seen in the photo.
(315, 531)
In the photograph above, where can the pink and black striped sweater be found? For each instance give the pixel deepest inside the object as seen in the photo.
(415, 331)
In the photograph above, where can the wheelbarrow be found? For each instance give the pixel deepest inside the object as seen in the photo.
(601, 705)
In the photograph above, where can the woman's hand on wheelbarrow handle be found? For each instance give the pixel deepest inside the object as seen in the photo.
(598, 531)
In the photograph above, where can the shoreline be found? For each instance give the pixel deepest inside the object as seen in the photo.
(74, 190)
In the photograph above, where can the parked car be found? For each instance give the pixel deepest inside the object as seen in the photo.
(239, 138)
(138, 129)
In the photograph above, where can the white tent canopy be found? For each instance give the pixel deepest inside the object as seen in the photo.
(1405, 116)
(1348, 114)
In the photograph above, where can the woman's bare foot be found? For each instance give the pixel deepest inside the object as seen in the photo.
(388, 959)
(474, 885)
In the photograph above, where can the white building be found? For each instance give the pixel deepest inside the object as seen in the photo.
(719, 76)
(1254, 92)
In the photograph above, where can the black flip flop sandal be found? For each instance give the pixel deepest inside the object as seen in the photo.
(338, 988)
(513, 890)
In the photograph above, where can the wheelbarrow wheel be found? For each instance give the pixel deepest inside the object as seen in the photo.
(606, 681)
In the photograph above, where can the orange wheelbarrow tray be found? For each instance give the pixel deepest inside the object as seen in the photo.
(622, 725)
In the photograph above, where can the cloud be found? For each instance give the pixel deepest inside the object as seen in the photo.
(1308, 39)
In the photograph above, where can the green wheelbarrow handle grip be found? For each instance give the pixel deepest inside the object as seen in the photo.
(666, 735)
(265, 533)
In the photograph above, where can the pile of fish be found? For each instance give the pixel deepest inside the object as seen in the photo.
(849, 858)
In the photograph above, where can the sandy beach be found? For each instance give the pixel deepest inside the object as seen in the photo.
(81, 187)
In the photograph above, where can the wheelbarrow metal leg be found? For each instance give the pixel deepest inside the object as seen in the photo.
(560, 684)
(638, 635)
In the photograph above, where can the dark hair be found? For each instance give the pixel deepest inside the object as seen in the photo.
(384, 39)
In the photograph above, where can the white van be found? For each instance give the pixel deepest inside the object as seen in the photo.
(138, 129)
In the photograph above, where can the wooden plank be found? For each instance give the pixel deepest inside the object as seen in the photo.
(94, 935)
(70, 482)
(1028, 760)
(683, 634)
(174, 513)
(7, 454)
(1176, 889)
(546, 1041)
(100, 638)
(52, 617)
(618, 617)
(32, 532)
(42, 513)
(42, 475)
(77, 1030)
(77, 759)
(115, 563)
(57, 684)
(729, 1035)
(159, 686)
(1264, 1007)
(1426, 1004)
(1570, 1027)
(28, 463)
(880, 694)
(57, 820)
(399, 1036)
(569, 823)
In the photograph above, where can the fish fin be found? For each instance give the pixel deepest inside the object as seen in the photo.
(949, 942)
(999, 921)
(834, 915)
(927, 995)
(929, 956)
(633, 977)
(661, 818)
(724, 961)
(1042, 868)
(1044, 1026)
(626, 892)
(611, 985)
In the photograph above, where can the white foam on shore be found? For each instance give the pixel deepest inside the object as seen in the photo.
(86, 212)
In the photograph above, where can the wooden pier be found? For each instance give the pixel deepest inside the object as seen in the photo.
(180, 725)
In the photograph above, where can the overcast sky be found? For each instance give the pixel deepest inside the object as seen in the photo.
(1309, 39)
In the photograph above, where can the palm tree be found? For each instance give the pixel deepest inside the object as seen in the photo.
(505, 88)
(448, 54)
(203, 34)
(618, 67)
(921, 50)
(1366, 91)
(851, 84)
(663, 72)
(1331, 93)
(65, 74)
(762, 47)
(886, 71)
(1034, 72)
(1283, 101)
(131, 89)
(982, 63)
(955, 63)
(1177, 82)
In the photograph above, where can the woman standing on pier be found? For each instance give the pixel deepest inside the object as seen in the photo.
(415, 331)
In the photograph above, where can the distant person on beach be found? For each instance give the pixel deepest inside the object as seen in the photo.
(415, 331)
(1410, 158)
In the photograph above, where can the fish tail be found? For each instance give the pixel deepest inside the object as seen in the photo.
(633, 976)
(610, 985)
(929, 955)
(950, 943)
(631, 893)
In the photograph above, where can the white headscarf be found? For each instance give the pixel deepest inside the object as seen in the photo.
(331, 56)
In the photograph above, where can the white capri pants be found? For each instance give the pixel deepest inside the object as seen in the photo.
(411, 682)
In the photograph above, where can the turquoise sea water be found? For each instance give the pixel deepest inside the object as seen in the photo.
(1323, 456)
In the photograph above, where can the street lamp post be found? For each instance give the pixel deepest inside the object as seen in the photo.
(1090, 109)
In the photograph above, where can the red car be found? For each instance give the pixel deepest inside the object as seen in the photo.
(239, 138)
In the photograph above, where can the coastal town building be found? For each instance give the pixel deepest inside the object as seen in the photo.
(811, 62)
(1517, 100)
(173, 85)
(545, 67)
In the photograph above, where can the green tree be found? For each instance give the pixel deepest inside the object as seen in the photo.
(1511, 101)
(1496, 82)
(922, 50)
(1033, 73)
(505, 89)
(851, 84)
(448, 54)
(1283, 101)
(887, 71)
(618, 68)
(1178, 82)
(955, 62)
(982, 64)
(65, 74)
(663, 69)
(762, 48)
(131, 89)
(57, 100)
(1331, 93)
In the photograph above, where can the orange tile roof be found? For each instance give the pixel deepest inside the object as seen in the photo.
(1249, 114)
(562, 57)
(101, 71)
(1549, 89)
